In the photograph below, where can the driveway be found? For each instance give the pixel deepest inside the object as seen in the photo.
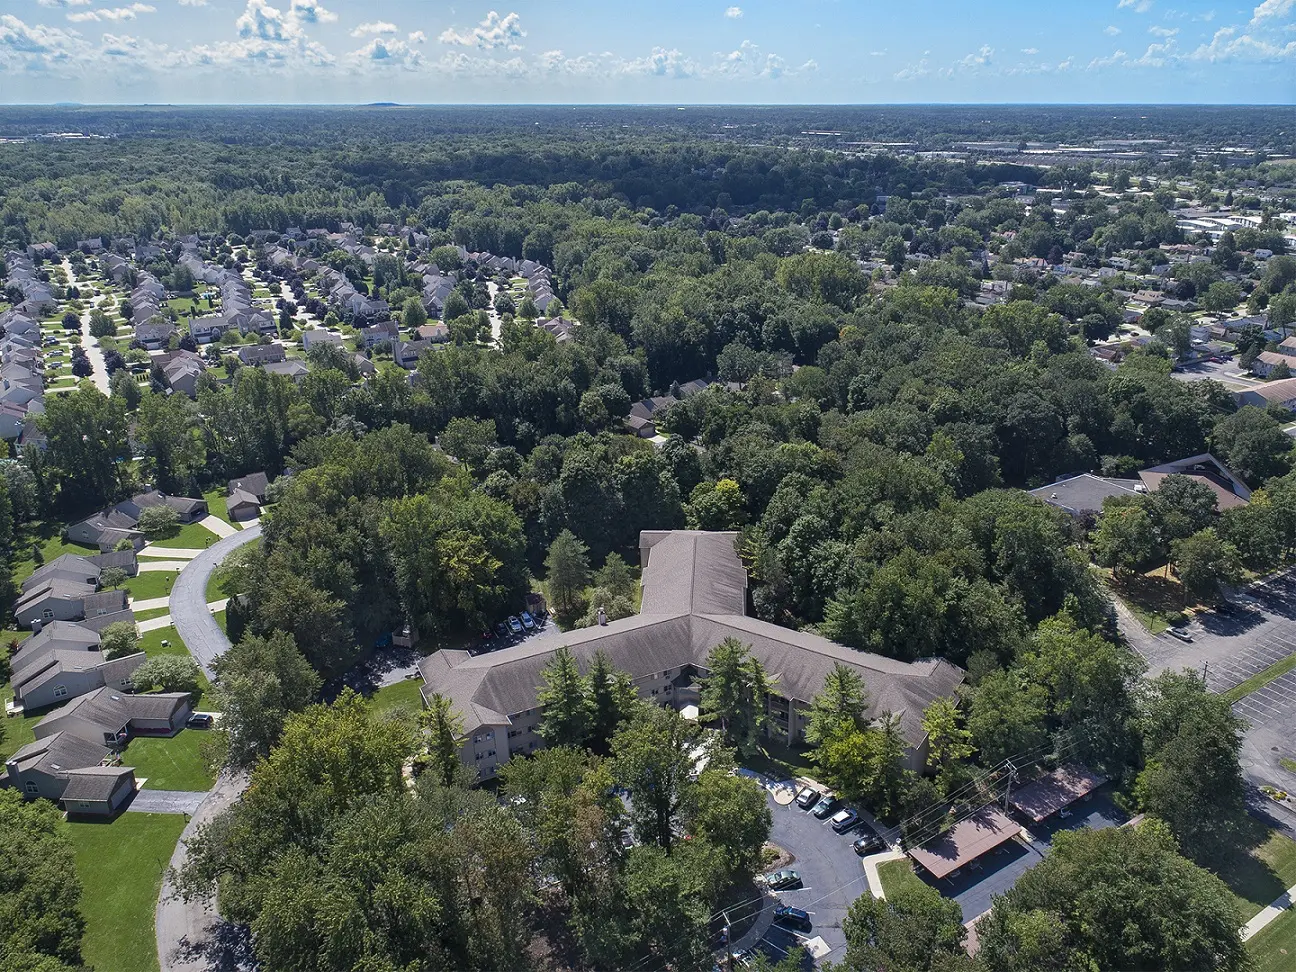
(167, 801)
(189, 612)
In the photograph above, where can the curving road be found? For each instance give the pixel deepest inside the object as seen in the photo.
(194, 623)
(191, 937)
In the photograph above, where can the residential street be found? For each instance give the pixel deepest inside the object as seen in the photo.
(189, 612)
(91, 344)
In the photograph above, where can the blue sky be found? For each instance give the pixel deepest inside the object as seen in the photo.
(665, 51)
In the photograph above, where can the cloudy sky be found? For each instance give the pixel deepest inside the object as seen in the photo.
(666, 51)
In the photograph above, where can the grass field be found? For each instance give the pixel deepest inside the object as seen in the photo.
(1274, 949)
(151, 644)
(189, 535)
(120, 865)
(779, 762)
(896, 875)
(404, 693)
(1260, 876)
(216, 504)
(151, 584)
(1261, 679)
(170, 764)
(45, 536)
(151, 613)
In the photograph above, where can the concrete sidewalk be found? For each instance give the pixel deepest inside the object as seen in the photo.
(155, 566)
(1269, 914)
(871, 870)
(152, 624)
(172, 553)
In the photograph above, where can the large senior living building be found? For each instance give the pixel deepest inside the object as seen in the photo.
(694, 596)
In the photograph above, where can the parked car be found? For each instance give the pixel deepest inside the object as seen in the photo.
(869, 843)
(826, 807)
(528, 622)
(501, 629)
(844, 821)
(1179, 633)
(783, 880)
(488, 634)
(792, 917)
(200, 720)
(807, 798)
(514, 624)
(411, 676)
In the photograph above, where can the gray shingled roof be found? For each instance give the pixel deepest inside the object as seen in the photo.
(58, 753)
(694, 596)
(94, 783)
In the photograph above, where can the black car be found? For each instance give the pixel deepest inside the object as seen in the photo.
(807, 798)
(200, 720)
(826, 808)
(868, 843)
(501, 629)
(792, 917)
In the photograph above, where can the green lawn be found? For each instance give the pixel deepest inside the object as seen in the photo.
(216, 504)
(151, 584)
(170, 764)
(151, 644)
(189, 535)
(779, 762)
(220, 619)
(1274, 949)
(151, 613)
(1261, 875)
(46, 536)
(404, 693)
(896, 875)
(1152, 598)
(121, 865)
(18, 731)
(1261, 679)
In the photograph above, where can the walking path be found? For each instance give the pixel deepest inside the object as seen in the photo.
(152, 624)
(150, 603)
(177, 553)
(167, 801)
(871, 870)
(1270, 914)
(191, 937)
(158, 565)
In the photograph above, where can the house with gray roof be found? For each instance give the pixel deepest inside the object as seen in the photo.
(110, 716)
(694, 597)
(78, 773)
(46, 675)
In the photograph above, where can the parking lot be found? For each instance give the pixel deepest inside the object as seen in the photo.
(1229, 649)
(832, 876)
(996, 872)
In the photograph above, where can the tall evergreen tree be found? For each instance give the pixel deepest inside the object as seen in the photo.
(842, 702)
(444, 728)
(734, 694)
(568, 567)
(614, 699)
(567, 701)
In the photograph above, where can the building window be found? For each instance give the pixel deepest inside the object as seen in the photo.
(668, 689)
(47, 614)
(654, 691)
(31, 787)
(60, 691)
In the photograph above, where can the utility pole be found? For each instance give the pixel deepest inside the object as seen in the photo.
(1012, 775)
(729, 961)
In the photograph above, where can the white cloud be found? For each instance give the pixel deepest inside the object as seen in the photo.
(1139, 6)
(733, 13)
(1117, 57)
(494, 31)
(1030, 50)
(417, 37)
(311, 12)
(1228, 44)
(978, 58)
(877, 53)
(374, 27)
(261, 21)
(64, 3)
(111, 13)
(1163, 31)
(1111, 31)
(388, 52)
(192, 3)
(37, 47)
(1270, 9)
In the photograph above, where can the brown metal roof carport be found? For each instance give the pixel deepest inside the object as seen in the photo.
(1050, 793)
(967, 840)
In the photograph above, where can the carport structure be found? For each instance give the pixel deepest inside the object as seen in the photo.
(967, 840)
(1053, 791)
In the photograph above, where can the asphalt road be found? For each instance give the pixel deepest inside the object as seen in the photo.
(190, 935)
(193, 622)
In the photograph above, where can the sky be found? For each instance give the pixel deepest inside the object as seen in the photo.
(658, 52)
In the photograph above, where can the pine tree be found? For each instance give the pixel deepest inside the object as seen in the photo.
(444, 729)
(842, 703)
(734, 694)
(614, 698)
(567, 701)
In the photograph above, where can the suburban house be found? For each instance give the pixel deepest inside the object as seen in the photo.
(187, 509)
(247, 495)
(204, 330)
(182, 369)
(293, 368)
(385, 332)
(107, 529)
(315, 336)
(694, 596)
(68, 769)
(65, 590)
(110, 716)
(254, 354)
(153, 336)
(407, 353)
(1281, 393)
(1266, 361)
(56, 664)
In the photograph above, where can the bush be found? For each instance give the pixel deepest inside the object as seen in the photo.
(167, 673)
(158, 521)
